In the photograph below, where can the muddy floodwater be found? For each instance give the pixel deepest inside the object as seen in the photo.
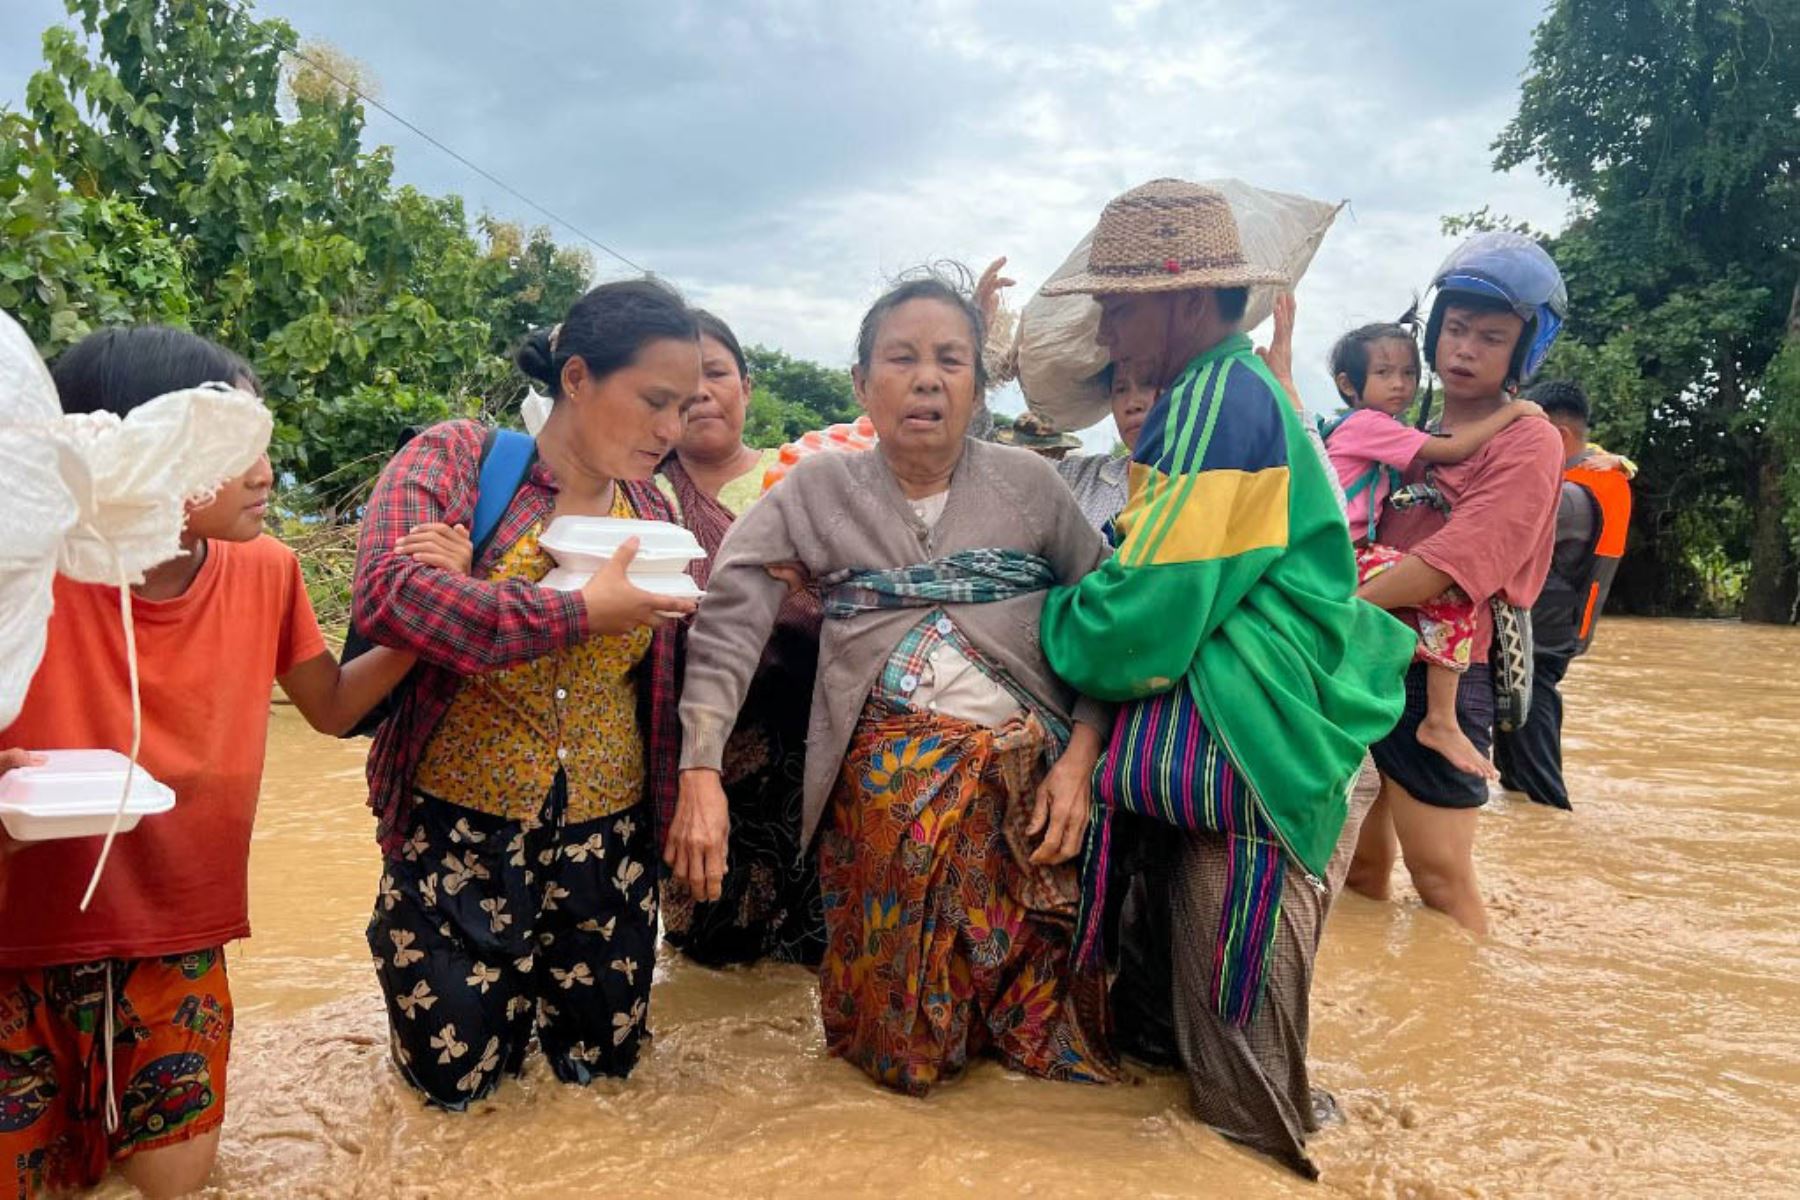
(1631, 1028)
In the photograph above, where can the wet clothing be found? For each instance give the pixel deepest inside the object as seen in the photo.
(1445, 623)
(944, 942)
(940, 943)
(1530, 757)
(463, 626)
(489, 930)
(769, 906)
(1250, 1083)
(170, 1025)
(1235, 578)
(519, 891)
(1556, 617)
(207, 660)
(1497, 537)
(1422, 771)
(837, 512)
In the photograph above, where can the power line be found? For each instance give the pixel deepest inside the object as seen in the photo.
(498, 182)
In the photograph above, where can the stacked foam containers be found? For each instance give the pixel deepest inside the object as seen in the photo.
(582, 545)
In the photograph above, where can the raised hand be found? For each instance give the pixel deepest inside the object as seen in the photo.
(1278, 355)
(987, 290)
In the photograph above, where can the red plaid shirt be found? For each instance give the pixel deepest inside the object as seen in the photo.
(463, 625)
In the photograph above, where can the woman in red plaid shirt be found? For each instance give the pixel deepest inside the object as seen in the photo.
(519, 782)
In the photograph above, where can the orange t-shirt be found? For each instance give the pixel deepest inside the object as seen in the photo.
(206, 662)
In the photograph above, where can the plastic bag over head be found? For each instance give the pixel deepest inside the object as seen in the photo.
(96, 497)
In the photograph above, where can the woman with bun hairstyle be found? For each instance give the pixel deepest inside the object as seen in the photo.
(518, 783)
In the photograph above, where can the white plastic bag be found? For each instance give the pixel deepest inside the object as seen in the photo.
(95, 497)
(534, 410)
(101, 499)
(1057, 352)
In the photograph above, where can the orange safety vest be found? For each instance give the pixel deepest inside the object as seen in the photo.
(1611, 491)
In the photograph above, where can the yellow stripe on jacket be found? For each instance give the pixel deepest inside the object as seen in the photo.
(1216, 514)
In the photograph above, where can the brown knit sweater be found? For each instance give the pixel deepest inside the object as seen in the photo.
(839, 511)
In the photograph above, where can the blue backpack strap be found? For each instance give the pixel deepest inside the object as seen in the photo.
(506, 458)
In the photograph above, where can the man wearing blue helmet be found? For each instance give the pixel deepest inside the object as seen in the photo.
(1489, 530)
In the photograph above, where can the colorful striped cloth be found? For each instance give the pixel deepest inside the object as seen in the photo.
(1235, 575)
(1233, 596)
(1163, 763)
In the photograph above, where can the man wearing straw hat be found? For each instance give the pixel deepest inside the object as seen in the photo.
(1250, 679)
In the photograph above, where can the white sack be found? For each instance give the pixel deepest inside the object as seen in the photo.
(98, 498)
(1058, 353)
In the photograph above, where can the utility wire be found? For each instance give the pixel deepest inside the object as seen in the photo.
(498, 182)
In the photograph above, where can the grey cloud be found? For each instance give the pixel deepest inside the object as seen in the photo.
(779, 158)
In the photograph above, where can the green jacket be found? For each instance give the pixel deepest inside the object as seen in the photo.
(1234, 572)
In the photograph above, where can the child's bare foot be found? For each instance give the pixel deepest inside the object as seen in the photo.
(1450, 741)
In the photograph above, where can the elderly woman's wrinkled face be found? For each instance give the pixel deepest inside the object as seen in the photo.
(919, 387)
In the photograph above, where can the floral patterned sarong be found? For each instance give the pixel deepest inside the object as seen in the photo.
(943, 941)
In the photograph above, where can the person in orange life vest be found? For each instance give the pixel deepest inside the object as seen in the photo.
(1591, 518)
(215, 628)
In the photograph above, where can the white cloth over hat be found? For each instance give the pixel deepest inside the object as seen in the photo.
(1058, 354)
(95, 497)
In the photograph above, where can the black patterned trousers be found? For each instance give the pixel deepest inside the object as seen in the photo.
(487, 931)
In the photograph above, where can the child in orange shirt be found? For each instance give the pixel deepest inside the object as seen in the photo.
(215, 627)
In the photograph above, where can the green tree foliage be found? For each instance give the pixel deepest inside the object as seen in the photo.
(169, 173)
(70, 262)
(789, 396)
(177, 164)
(1675, 124)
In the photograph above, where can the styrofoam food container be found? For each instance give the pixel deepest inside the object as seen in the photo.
(75, 793)
(672, 583)
(586, 543)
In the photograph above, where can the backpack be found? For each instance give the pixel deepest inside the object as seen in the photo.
(1509, 664)
(506, 458)
(1368, 480)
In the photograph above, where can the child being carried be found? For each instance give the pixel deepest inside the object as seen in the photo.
(1376, 370)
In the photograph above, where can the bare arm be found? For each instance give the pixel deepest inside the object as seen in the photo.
(1406, 584)
(1471, 437)
(334, 697)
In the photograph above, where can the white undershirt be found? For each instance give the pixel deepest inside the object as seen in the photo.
(950, 684)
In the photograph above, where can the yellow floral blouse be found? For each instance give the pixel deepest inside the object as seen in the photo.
(498, 748)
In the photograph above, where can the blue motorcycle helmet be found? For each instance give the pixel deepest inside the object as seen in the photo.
(1515, 270)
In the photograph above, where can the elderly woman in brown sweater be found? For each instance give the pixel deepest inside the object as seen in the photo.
(949, 767)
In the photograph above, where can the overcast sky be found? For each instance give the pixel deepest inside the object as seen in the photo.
(778, 159)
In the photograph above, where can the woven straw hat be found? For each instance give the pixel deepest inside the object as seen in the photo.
(1165, 236)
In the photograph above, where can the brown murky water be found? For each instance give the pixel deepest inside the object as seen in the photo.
(1630, 1028)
